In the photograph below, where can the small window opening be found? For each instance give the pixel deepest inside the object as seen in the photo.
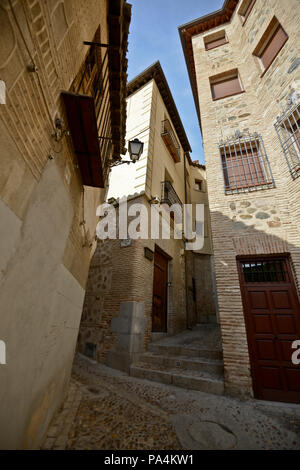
(245, 165)
(270, 44)
(288, 130)
(246, 9)
(215, 40)
(225, 85)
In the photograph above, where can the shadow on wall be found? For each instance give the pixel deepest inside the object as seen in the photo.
(255, 229)
(100, 305)
(248, 232)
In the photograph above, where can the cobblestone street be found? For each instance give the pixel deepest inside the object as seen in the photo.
(106, 409)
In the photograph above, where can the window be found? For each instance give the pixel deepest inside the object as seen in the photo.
(246, 9)
(288, 130)
(169, 137)
(264, 271)
(215, 40)
(168, 177)
(228, 84)
(270, 44)
(245, 165)
(198, 185)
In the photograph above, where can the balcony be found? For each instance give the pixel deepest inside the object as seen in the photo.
(169, 195)
(88, 114)
(170, 140)
(96, 102)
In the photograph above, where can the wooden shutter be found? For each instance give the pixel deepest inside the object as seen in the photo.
(273, 47)
(228, 87)
(216, 43)
(242, 169)
(248, 10)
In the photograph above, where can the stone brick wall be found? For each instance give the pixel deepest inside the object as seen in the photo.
(262, 222)
(205, 292)
(123, 274)
(45, 246)
(120, 275)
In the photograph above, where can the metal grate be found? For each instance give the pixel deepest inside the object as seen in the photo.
(264, 271)
(94, 80)
(245, 164)
(169, 195)
(288, 130)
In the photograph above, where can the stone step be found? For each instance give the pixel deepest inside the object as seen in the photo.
(157, 336)
(186, 379)
(200, 364)
(171, 350)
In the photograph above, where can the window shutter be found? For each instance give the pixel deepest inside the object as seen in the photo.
(248, 10)
(273, 47)
(217, 42)
(225, 88)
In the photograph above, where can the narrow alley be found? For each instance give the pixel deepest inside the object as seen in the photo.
(107, 409)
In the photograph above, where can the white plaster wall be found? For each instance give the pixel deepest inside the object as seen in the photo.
(41, 304)
(131, 179)
(162, 159)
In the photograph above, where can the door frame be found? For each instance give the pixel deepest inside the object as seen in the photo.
(293, 278)
(168, 259)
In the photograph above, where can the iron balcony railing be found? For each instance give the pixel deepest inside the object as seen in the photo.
(170, 140)
(168, 194)
(288, 130)
(94, 81)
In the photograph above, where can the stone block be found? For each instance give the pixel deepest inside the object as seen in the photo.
(131, 319)
(129, 327)
(130, 343)
(118, 360)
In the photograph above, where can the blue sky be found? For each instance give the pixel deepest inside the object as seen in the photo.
(154, 36)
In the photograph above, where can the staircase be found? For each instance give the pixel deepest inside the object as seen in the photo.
(192, 360)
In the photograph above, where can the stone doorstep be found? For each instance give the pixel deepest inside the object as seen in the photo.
(188, 380)
(185, 351)
(199, 364)
(157, 336)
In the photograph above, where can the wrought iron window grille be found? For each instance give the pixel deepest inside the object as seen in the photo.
(168, 194)
(245, 164)
(264, 271)
(95, 82)
(287, 127)
(170, 197)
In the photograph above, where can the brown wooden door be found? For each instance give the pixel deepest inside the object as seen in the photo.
(159, 306)
(272, 314)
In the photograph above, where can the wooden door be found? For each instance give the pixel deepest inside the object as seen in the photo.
(159, 306)
(272, 314)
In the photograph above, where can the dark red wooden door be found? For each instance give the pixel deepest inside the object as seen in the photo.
(159, 307)
(272, 314)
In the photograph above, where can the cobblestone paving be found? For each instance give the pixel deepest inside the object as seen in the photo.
(106, 409)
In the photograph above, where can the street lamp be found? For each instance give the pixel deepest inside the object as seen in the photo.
(135, 149)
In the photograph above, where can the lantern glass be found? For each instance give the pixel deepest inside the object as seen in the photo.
(135, 149)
